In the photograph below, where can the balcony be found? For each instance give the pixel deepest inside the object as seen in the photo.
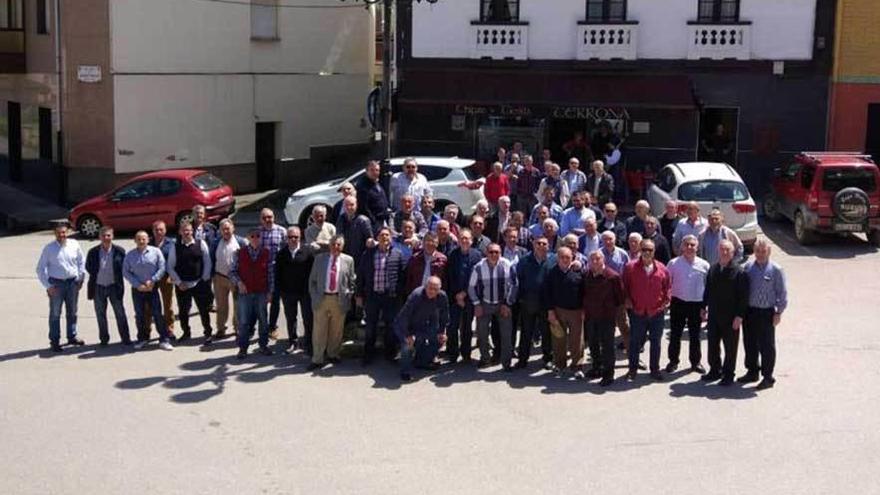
(498, 41)
(607, 41)
(719, 41)
(12, 56)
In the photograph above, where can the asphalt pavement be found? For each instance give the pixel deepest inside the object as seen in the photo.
(192, 421)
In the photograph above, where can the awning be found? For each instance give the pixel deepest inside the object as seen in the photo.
(530, 87)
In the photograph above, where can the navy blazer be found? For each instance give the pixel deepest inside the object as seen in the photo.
(93, 264)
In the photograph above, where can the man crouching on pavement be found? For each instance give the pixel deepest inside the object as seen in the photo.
(421, 327)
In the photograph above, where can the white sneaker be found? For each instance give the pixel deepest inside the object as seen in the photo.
(140, 344)
(579, 375)
(166, 346)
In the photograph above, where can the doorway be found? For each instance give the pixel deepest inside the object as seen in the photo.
(265, 155)
(872, 132)
(719, 130)
(13, 122)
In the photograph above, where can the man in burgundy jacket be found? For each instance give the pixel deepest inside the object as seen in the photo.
(603, 295)
(255, 280)
(416, 275)
(648, 294)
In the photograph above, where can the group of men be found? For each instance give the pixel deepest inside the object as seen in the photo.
(566, 274)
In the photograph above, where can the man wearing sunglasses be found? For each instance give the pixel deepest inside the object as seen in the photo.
(648, 295)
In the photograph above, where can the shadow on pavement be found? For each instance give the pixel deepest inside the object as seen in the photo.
(825, 247)
(711, 391)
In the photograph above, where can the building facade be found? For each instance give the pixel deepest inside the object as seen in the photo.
(249, 90)
(855, 88)
(477, 74)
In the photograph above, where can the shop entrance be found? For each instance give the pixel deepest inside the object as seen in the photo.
(872, 134)
(719, 128)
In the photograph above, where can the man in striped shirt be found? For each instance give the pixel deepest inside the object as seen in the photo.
(492, 290)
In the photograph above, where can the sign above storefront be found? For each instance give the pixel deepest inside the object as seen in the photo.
(591, 113)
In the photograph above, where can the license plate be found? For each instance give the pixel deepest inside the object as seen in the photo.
(848, 227)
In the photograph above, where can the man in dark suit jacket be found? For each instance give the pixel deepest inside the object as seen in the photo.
(612, 223)
(104, 266)
(498, 220)
(293, 264)
(600, 183)
(380, 277)
(415, 270)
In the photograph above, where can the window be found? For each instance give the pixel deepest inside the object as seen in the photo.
(136, 190)
(718, 11)
(207, 182)
(606, 10)
(807, 175)
(713, 190)
(666, 180)
(433, 173)
(264, 19)
(835, 179)
(499, 10)
(11, 15)
(791, 172)
(42, 17)
(167, 187)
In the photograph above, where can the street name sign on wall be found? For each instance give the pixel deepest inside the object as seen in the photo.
(88, 73)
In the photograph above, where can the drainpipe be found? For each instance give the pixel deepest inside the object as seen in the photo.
(62, 175)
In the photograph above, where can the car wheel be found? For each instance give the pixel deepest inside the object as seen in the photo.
(89, 226)
(874, 237)
(771, 208)
(183, 217)
(803, 235)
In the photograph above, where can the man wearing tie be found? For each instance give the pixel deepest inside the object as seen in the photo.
(331, 286)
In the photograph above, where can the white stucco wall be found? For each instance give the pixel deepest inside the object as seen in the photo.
(190, 83)
(781, 29)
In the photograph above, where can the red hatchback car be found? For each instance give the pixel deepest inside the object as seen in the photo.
(168, 195)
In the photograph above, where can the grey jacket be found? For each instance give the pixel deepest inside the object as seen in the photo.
(346, 280)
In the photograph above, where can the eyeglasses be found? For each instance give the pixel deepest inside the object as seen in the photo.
(293, 237)
(410, 167)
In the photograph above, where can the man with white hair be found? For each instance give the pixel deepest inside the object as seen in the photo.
(409, 181)
(573, 177)
(633, 243)
(687, 275)
(716, 232)
(224, 251)
(407, 211)
(727, 300)
(768, 298)
(421, 327)
(202, 229)
(551, 232)
(319, 233)
(493, 290)
(497, 222)
(694, 224)
(636, 223)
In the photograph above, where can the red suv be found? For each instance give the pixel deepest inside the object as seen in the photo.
(168, 196)
(829, 192)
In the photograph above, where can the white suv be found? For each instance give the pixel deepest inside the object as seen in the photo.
(443, 174)
(711, 185)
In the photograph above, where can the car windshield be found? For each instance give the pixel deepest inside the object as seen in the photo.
(835, 179)
(713, 190)
(207, 182)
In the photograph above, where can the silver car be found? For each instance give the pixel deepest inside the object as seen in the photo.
(711, 185)
(445, 176)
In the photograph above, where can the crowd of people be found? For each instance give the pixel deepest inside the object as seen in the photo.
(543, 264)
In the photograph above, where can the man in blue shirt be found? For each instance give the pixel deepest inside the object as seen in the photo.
(461, 263)
(61, 270)
(420, 325)
(144, 267)
(768, 298)
(531, 272)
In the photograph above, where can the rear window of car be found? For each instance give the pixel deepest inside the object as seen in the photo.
(836, 178)
(207, 182)
(471, 172)
(713, 190)
(433, 173)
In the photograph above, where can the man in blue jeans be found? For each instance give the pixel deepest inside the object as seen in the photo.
(104, 265)
(648, 294)
(421, 325)
(61, 270)
(253, 273)
(144, 267)
(379, 287)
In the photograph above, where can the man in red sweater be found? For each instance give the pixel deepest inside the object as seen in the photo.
(648, 294)
(255, 281)
(496, 185)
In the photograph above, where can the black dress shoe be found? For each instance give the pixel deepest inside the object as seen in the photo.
(242, 353)
(405, 377)
(266, 351)
(208, 340)
(103, 343)
(483, 363)
(594, 374)
(186, 335)
(76, 341)
(726, 381)
(127, 342)
(711, 376)
(642, 365)
(507, 368)
(765, 384)
(521, 364)
(334, 360)
(749, 377)
(314, 366)
(657, 376)
(698, 369)
(671, 367)
(56, 347)
(631, 375)
(607, 381)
